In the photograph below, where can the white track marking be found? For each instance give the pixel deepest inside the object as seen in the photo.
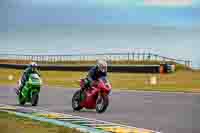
(103, 124)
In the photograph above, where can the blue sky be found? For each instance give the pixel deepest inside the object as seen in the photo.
(37, 12)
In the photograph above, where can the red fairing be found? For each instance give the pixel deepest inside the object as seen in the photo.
(90, 101)
(92, 94)
(104, 87)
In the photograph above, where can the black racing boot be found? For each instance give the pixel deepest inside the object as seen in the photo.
(19, 89)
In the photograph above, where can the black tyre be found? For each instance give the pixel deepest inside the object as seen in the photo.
(102, 103)
(34, 100)
(21, 100)
(76, 101)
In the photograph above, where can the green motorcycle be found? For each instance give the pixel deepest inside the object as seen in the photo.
(30, 91)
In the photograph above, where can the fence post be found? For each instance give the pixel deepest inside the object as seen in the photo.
(143, 56)
(149, 56)
(128, 57)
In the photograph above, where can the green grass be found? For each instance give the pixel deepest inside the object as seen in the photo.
(181, 81)
(9, 123)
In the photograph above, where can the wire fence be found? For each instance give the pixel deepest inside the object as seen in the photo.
(111, 57)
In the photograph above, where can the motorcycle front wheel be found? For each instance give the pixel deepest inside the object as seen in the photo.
(35, 98)
(102, 103)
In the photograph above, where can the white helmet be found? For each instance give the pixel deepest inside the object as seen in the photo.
(33, 64)
(102, 65)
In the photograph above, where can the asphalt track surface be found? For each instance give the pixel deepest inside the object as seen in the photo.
(168, 112)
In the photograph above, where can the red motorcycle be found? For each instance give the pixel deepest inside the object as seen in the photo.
(96, 97)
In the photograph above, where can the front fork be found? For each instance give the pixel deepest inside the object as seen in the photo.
(100, 94)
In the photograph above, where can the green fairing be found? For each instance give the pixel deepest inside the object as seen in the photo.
(32, 86)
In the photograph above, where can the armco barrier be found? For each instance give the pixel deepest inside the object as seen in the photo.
(132, 69)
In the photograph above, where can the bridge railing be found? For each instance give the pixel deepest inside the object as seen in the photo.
(111, 57)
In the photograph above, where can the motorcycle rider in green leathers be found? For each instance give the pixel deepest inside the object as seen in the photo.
(32, 68)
